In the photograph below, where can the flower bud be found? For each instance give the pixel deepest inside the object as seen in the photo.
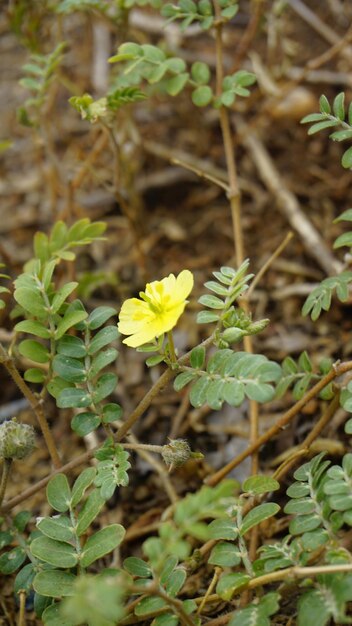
(257, 327)
(232, 335)
(176, 453)
(16, 440)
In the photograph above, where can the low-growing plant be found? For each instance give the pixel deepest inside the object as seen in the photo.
(69, 561)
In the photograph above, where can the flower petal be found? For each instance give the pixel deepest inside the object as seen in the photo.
(184, 285)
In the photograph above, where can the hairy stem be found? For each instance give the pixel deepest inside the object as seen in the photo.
(6, 468)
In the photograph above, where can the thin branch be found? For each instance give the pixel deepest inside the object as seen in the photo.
(6, 469)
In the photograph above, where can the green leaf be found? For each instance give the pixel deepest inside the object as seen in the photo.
(101, 543)
(300, 506)
(324, 104)
(304, 362)
(313, 609)
(258, 515)
(230, 583)
(149, 605)
(339, 106)
(81, 484)
(70, 319)
(10, 561)
(313, 540)
(99, 316)
(31, 301)
(33, 328)
(6, 538)
(225, 554)
(54, 552)
(233, 393)
(304, 523)
(104, 387)
(71, 346)
(69, 369)
(198, 393)
(176, 84)
(200, 73)
(166, 619)
(183, 379)
(175, 581)
(54, 583)
(316, 128)
(102, 359)
(230, 12)
(56, 528)
(52, 616)
(102, 338)
(21, 520)
(154, 360)
(34, 351)
(223, 529)
(211, 301)
(206, 317)
(58, 493)
(259, 392)
(126, 51)
(90, 510)
(137, 567)
(24, 579)
(111, 412)
(61, 296)
(260, 484)
(34, 375)
(345, 216)
(202, 96)
(197, 357)
(347, 159)
(73, 398)
(85, 422)
(56, 385)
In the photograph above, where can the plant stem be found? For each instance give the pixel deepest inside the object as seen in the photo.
(143, 446)
(22, 614)
(6, 468)
(171, 347)
(36, 405)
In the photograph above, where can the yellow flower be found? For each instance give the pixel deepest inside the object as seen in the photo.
(158, 310)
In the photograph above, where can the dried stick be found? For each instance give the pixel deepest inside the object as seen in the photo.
(267, 264)
(234, 197)
(318, 25)
(337, 370)
(287, 202)
(248, 35)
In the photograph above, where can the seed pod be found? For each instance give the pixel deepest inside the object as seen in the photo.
(176, 453)
(16, 440)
